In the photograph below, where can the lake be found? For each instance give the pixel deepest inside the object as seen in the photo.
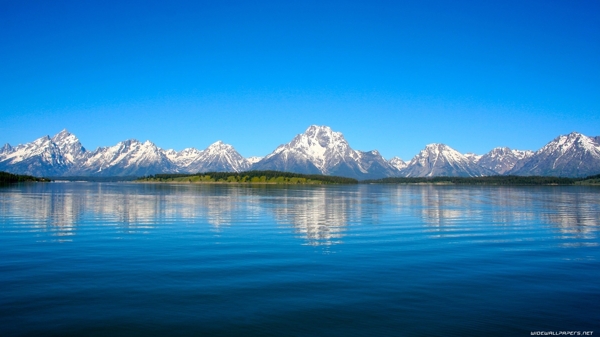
(123, 259)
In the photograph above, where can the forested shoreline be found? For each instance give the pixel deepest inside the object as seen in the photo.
(250, 177)
(279, 177)
(7, 178)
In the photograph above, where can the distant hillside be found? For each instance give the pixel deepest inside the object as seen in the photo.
(249, 177)
(6, 178)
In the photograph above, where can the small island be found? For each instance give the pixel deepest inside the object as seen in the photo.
(9, 178)
(248, 177)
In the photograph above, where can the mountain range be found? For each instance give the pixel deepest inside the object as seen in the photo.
(319, 150)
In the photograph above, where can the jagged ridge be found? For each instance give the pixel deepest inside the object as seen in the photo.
(319, 150)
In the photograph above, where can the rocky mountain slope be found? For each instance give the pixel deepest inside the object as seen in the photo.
(127, 158)
(502, 159)
(320, 150)
(218, 157)
(572, 155)
(63, 155)
(44, 156)
(442, 160)
(398, 163)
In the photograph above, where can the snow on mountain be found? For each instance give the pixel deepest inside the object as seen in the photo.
(63, 154)
(310, 151)
(254, 160)
(473, 157)
(373, 165)
(502, 159)
(522, 154)
(69, 146)
(218, 157)
(573, 155)
(398, 163)
(320, 150)
(127, 158)
(442, 160)
(183, 158)
(5, 149)
(43, 157)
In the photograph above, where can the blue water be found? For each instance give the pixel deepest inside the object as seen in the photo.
(122, 259)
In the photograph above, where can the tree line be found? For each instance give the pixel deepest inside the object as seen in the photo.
(251, 176)
(6, 178)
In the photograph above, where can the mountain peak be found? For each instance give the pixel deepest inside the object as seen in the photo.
(441, 160)
(218, 157)
(572, 155)
(129, 142)
(501, 149)
(437, 148)
(6, 148)
(220, 147)
(64, 135)
(502, 159)
(323, 133)
(317, 128)
(398, 163)
(217, 144)
(320, 150)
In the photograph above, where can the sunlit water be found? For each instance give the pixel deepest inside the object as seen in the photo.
(382, 260)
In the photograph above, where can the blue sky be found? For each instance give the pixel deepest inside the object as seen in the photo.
(392, 76)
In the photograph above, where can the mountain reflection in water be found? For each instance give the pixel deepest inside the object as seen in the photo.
(114, 259)
(320, 215)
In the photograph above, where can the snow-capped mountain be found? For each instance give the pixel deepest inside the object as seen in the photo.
(134, 158)
(370, 165)
(442, 160)
(398, 163)
(63, 155)
(254, 160)
(184, 157)
(6, 149)
(573, 155)
(320, 150)
(127, 158)
(473, 157)
(43, 157)
(218, 157)
(69, 146)
(502, 159)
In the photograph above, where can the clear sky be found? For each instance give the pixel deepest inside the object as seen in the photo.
(390, 75)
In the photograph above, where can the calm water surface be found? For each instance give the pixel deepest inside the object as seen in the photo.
(140, 259)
